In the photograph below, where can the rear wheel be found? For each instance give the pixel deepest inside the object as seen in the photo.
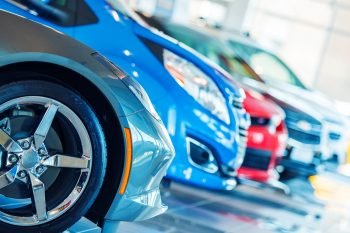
(52, 157)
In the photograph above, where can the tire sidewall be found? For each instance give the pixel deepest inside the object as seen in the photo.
(99, 151)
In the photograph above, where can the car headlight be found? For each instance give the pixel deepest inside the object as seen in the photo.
(304, 125)
(197, 84)
(133, 86)
(275, 121)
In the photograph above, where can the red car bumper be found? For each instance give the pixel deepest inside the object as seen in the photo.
(265, 148)
(267, 139)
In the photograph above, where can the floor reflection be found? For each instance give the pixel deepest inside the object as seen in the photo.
(317, 205)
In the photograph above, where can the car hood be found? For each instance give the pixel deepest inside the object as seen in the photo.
(258, 105)
(312, 99)
(310, 102)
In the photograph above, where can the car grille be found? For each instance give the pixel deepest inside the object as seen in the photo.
(260, 121)
(334, 136)
(237, 103)
(244, 124)
(293, 117)
(257, 159)
(303, 137)
(312, 136)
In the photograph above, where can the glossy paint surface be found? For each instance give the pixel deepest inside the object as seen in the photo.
(264, 138)
(152, 148)
(119, 39)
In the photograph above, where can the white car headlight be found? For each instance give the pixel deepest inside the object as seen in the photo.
(196, 83)
(304, 125)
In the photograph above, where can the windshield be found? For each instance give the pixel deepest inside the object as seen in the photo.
(268, 66)
(218, 51)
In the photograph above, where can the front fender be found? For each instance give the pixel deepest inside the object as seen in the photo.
(112, 88)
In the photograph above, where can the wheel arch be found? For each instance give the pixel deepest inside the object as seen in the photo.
(101, 105)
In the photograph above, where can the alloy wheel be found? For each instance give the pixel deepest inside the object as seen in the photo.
(45, 160)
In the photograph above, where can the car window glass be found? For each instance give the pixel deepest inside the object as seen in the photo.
(60, 12)
(209, 51)
(268, 66)
(270, 69)
(239, 68)
(217, 51)
(230, 61)
(223, 55)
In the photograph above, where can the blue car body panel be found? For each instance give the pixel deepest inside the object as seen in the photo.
(119, 38)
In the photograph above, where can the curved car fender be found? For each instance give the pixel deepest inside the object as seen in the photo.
(64, 51)
(17, 58)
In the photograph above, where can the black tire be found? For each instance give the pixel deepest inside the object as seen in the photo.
(86, 114)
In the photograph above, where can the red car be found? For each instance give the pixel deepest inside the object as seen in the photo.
(267, 138)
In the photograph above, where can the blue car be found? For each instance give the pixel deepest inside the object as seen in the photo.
(199, 104)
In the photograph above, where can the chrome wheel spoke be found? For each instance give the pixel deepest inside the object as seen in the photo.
(8, 143)
(38, 194)
(7, 178)
(44, 126)
(64, 161)
(26, 161)
(5, 124)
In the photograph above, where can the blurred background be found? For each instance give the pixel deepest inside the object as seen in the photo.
(311, 36)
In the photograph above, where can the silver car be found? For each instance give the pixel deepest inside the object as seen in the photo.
(78, 137)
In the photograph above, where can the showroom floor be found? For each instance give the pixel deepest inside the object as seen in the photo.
(320, 204)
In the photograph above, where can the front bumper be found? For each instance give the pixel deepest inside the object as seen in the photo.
(298, 168)
(302, 161)
(185, 171)
(336, 141)
(336, 149)
(152, 154)
(188, 123)
(263, 176)
(199, 178)
(264, 150)
(303, 153)
(333, 142)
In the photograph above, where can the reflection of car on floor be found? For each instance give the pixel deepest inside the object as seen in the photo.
(78, 137)
(197, 109)
(267, 134)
